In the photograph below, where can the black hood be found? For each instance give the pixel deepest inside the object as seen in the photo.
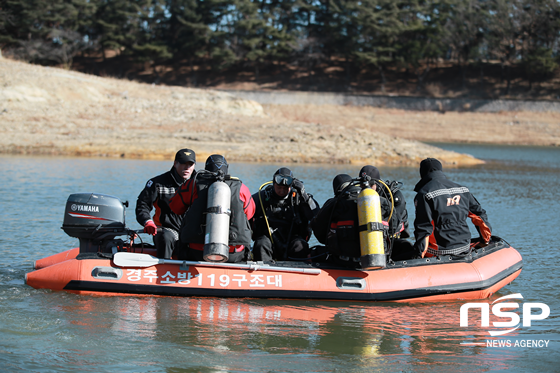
(340, 182)
(370, 171)
(428, 165)
(434, 174)
(216, 163)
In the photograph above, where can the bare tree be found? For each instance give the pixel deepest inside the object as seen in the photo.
(61, 47)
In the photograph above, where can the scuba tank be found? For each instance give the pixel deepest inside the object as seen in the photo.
(216, 237)
(371, 230)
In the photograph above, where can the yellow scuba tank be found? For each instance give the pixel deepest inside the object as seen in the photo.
(371, 230)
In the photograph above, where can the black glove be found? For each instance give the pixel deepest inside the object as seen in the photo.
(298, 185)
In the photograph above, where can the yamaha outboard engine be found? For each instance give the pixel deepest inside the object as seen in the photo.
(95, 219)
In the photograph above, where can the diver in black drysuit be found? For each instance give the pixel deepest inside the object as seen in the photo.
(281, 223)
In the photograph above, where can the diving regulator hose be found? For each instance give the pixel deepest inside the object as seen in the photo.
(392, 199)
(264, 212)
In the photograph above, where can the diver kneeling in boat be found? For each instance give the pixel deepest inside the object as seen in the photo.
(442, 209)
(281, 223)
(156, 194)
(336, 225)
(394, 212)
(193, 197)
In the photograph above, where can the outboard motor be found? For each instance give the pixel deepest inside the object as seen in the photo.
(216, 238)
(95, 219)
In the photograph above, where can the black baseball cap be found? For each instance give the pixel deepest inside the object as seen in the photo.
(185, 155)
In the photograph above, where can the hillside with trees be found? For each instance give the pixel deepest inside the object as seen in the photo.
(467, 48)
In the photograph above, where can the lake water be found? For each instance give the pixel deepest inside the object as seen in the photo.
(42, 331)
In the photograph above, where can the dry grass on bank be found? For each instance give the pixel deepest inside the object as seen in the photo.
(59, 112)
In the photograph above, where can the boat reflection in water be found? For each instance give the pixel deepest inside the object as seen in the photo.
(219, 327)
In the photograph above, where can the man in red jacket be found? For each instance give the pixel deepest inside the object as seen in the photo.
(165, 224)
(192, 198)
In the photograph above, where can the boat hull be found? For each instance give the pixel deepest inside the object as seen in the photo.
(446, 278)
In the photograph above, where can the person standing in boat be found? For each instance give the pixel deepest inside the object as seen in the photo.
(394, 212)
(165, 224)
(442, 209)
(192, 198)
(281, 223)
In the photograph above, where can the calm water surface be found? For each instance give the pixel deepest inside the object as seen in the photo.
(42, 331)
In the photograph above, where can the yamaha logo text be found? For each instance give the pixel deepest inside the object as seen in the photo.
(84, 208)
(512, 316)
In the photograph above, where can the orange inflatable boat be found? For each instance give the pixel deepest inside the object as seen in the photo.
(104, 264)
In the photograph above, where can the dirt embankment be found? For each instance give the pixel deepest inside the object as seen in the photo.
(59, 112)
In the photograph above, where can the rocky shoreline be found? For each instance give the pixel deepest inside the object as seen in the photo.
(398, 102)
(59, 112)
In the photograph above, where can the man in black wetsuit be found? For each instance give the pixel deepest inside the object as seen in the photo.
(192, 198)
(157, 193)
(337, 226)
(281, 222)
